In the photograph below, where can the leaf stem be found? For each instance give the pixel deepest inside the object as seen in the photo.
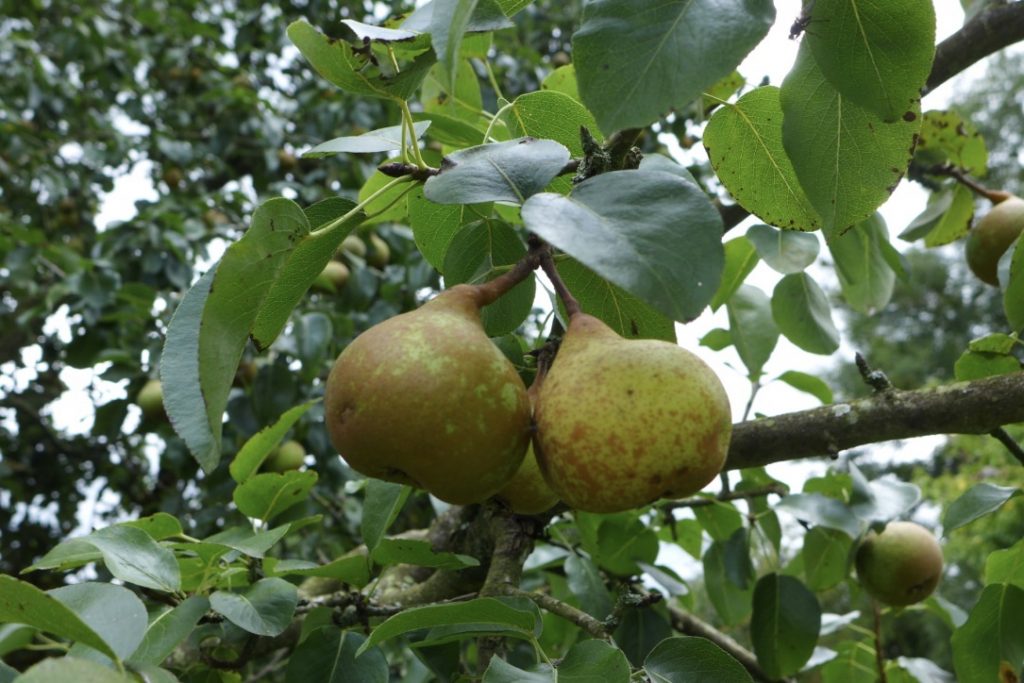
(337, 222)
(994, 196)
(497, 117)
(879, 655)
(414, 143)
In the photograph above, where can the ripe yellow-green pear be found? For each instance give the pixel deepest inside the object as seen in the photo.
(379, 252)
(332, 278)
(901, 565)
(151, 400)
(992, 236)
(425, 398)
(286, 457)
(621, 423)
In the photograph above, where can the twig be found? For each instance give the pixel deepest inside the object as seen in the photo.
(397, 169)
(594, 627)
(492, 290)
(768, 489)
(994, 196)
(572, 306)
(876, 379)
(879, 654)
(1004, 438)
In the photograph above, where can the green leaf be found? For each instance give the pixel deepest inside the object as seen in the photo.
(784, 626)
(168, 629)
(500, 671)
(685, 659)
(993, 634)
(848, 161)
(980, 500)
(482, 251)
(434, 226)
(876, 55)
(785, 251)
(652, 233)
(484, 616)
(382, 502)
(335, 61)
(1006, 566)
(594, 660)
(134, 557)
(265, 608)
(620, 310)
(977, 365)
(821, 510)
(328, 655)
(955, 222)
(267, 495)
(665, 66)
(641, 629)
(247, 541)
(553, 116)
(866, 278)
(744, 145)
(391, 551)
(381, 140)
(586, 584)
(507, 171)
(732, 604)
(802, 312)
(993, 343)
(809, 384)
(180, 371)
(751, 328)
(622, 542)
(366, 33)
(450, 19)
(72, 670)
(254, 451)
(387, 207)
(717, 339)
(939, 202)
(159, 525)
(721, 520)
(113, 612)
(854, 663)
(825, 554)
(740, 260)
(947, 137)
(68, 554)
(352, 570)
(1013, 292)
(563, 80)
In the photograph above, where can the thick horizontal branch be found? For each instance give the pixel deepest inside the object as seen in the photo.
(977, 407)
(992, 29)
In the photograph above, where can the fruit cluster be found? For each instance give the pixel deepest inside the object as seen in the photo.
(425, 398)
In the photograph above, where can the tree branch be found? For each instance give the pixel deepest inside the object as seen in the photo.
(777, 489)
(992, 29)
(976, 407)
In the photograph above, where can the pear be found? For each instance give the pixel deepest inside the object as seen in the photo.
(992, 236)
(379, 252)
(527, 493)
(901, 565)
(621, 423)
(425, 398)
(332, 278)
(151, 400)
(286, 457)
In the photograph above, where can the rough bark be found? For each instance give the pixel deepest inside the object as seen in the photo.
(992, 29)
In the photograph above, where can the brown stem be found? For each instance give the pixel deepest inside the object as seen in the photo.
(491, 291)
(684, 622)
(992, 29)
(1011, 445)
(778, 489)
(994, 196)
(879, 654)
(572, 307)
(976, 407)
(592, 626)
(876, 379)
(397, 170)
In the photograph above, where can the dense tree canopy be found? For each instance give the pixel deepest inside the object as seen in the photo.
(172, 505)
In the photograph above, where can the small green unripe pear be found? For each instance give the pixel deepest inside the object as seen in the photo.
(379, 252)
(526, 493)
(900, 566)
(332, 278)
(353, 245)
(285, 458)
(151, 400)
(425, 398)
(621, 423)
(992, 236)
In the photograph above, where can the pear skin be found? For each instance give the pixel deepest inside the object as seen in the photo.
(425, 398)
(992, 236)
(527, 493)
(287, 457)
(900, 566)
(622, 423)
